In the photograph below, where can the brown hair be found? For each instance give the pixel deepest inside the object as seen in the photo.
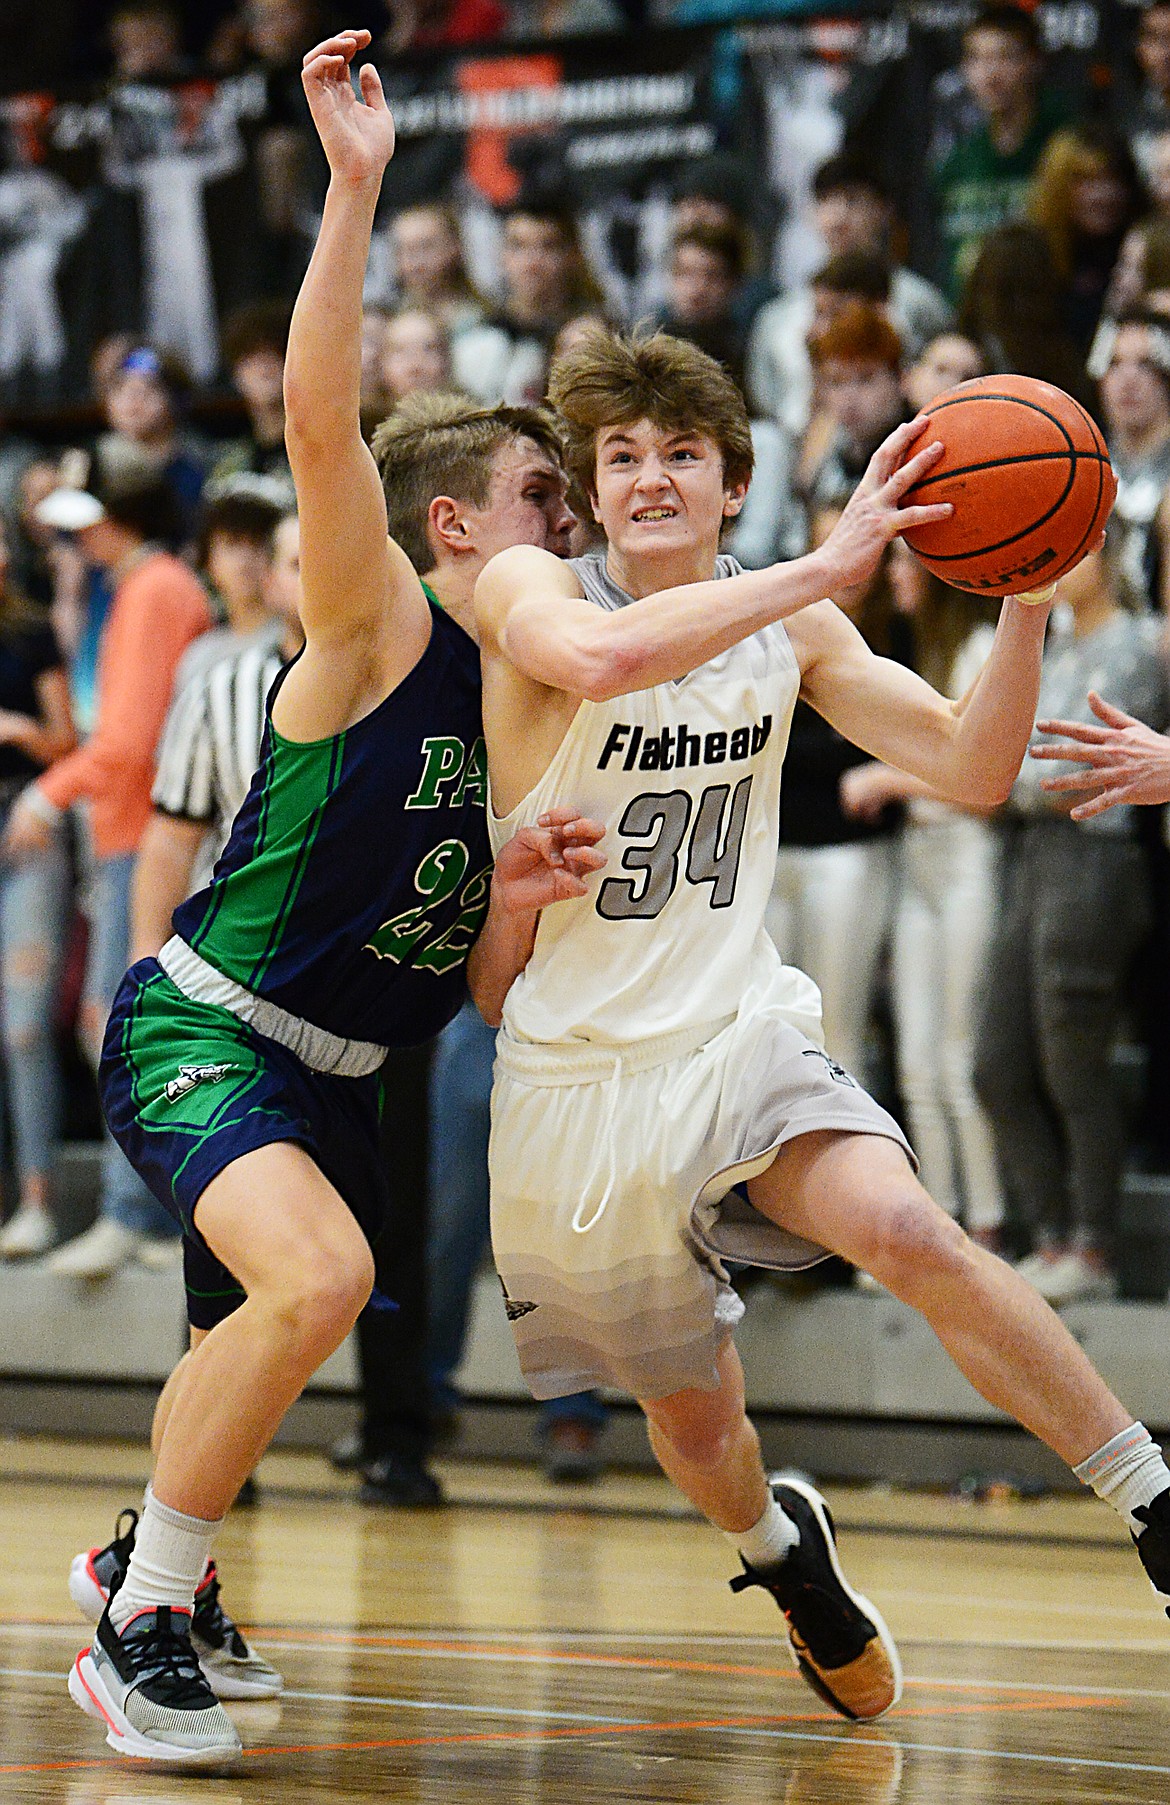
(258, 326)
(858, 333)
(729, 243)
(1071, 154)
(942, 626)
(444, 444)
(865, 274)
(614, 379)
(1010, 307)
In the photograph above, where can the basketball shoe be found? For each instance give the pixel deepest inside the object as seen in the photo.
(145, 1684)
(1153, 1544)
(233, 1669)
(839, 1641)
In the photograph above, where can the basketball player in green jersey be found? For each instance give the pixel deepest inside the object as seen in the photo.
(655, 1050)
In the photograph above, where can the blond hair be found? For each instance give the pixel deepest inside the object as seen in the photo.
(445, 444)
(615, 379)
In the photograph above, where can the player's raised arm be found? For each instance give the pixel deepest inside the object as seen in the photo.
(530, 609)
(366, 621)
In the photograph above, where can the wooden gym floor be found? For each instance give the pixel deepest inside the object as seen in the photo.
(546, 1647)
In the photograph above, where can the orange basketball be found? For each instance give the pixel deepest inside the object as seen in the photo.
(1030, 479)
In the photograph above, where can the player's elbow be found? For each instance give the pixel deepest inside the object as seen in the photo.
(612, 667)
(312, 423)
(980, 790)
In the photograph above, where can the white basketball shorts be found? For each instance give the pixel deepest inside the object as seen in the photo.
(610, 1173)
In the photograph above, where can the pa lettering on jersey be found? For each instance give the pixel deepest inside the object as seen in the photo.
(676, 747)
(451, 776)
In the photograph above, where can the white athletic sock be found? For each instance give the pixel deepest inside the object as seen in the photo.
(769, 1540)
(168, 1562)
(1126, 1472)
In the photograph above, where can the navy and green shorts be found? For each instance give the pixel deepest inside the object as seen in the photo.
(187, 1088)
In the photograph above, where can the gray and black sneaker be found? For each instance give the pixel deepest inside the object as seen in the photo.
(1153, 1544)
(840, 1643)
(233, 1668)
(145, 1684)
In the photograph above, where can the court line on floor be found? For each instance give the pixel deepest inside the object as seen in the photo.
(733, 1726)
(766, 1727)
(74, 1632)
(1042, 1699)
(475, 1650)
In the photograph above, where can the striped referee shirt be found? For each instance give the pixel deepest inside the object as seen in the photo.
(211, 742)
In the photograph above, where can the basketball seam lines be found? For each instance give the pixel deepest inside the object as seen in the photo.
(1023, 457)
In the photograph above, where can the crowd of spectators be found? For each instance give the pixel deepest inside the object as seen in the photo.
(978, 973)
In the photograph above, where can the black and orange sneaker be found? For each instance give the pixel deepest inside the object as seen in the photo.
(1153, 1544)
(233, 1667)
(839, 1641)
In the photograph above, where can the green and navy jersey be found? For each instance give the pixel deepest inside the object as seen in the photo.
(357, 874)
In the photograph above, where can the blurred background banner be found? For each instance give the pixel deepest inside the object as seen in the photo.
(158, 207)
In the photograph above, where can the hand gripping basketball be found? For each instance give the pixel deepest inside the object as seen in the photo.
(874, 513)
(1029, 474)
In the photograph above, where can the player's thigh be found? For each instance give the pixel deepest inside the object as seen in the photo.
(855, 1194)
(277, 1224)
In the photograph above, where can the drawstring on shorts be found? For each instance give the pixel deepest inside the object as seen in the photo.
(608, 1152)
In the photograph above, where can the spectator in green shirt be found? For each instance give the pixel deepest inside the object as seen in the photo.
(984, 178)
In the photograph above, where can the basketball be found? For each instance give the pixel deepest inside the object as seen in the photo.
(1030, 479)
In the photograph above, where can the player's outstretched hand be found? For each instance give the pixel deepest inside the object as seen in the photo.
(548, 863)
(873, 514)
(1123, 760)
(357, 134)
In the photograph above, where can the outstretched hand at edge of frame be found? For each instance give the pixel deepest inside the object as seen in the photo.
(1123, 760)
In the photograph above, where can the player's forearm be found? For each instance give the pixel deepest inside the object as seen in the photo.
(995, 721)
(667, 635)
(498, 957)
(322, 372)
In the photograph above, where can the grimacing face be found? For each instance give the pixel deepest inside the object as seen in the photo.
(660, 491)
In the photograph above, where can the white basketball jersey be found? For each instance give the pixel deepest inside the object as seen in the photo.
(686, 779)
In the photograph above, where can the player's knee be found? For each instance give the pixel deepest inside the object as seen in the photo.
(917, 1244)
(702, 1440)
(326, 1293)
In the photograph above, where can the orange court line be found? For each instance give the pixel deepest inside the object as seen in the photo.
(568, 1731)
(570, 1657)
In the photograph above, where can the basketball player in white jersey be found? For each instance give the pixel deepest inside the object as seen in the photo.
(655, 1050)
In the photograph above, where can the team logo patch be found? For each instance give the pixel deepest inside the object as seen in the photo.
(513, 1308)
(190, 1076)
(836, 1072)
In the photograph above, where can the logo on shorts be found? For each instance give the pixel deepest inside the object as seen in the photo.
(836, 1072)
(513, 1309)
(192, 1075)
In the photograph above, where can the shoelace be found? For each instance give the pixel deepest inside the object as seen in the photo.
(212, 1621)
(163, 1654)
